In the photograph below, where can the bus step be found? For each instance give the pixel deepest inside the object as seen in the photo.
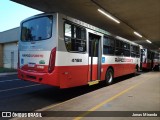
(93, 82)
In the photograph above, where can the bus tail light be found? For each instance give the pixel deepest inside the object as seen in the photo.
(52, 60)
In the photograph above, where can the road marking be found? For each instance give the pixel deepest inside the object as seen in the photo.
(58, 104)
(9, 80)
(106, 101)
(6, 74)
(19, 88)
(52, 106)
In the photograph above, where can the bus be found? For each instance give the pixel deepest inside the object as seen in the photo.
(149, 59)
(62, 51)
(156, 61)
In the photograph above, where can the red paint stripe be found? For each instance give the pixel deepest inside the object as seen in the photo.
(71, 76)
(146, 65)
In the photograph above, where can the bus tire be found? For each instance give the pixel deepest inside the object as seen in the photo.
(109, 76)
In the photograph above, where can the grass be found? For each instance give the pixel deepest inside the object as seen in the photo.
(5, 70)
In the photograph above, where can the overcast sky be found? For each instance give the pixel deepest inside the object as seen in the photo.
(11, 14)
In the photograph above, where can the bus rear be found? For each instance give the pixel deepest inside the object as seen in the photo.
(37, 49)
(146, 60)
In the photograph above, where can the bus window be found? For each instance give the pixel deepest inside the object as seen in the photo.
(137, 51)
(75, 38)
(119, 48)
(67, 30)
(133, 51)
(126, 49)
(37, 29)
(108, 45)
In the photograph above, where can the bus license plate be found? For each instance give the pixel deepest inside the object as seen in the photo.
(31, 64)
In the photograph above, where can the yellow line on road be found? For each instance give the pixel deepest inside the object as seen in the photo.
(106, 101)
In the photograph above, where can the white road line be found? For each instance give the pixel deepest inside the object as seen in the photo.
(19, 88)
(9, 80)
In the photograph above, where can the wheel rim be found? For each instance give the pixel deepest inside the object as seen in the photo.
(110, 77)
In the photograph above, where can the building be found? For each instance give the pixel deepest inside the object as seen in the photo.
(9, 48)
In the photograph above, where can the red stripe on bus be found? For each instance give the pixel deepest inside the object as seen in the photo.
(146, 65)
(71, 76)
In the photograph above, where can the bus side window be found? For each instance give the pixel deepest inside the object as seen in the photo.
(119, 48)
(75, 38)
(126, 49)
(108, 46)
(67, 38)
(133, 51)
(137, 51)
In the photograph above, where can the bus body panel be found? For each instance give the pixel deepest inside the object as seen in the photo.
(73, 69)
(43, 78)
(121, 65)
(34, 60)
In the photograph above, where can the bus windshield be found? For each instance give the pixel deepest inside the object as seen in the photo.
(37, 29)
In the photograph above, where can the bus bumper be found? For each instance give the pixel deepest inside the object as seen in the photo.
(42, 78)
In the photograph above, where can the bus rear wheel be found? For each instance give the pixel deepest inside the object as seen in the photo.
(109, 76)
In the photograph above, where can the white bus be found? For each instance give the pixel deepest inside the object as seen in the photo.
(61, 51)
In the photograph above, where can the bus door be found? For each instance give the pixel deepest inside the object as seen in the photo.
(94, 58)
(141, 58)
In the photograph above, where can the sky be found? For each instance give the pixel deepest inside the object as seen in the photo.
(11, 14)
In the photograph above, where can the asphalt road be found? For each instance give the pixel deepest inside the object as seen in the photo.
(19, 95)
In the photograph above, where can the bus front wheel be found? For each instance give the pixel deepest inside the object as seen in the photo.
(109, 76)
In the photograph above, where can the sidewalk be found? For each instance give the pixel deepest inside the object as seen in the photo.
(9, 73)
